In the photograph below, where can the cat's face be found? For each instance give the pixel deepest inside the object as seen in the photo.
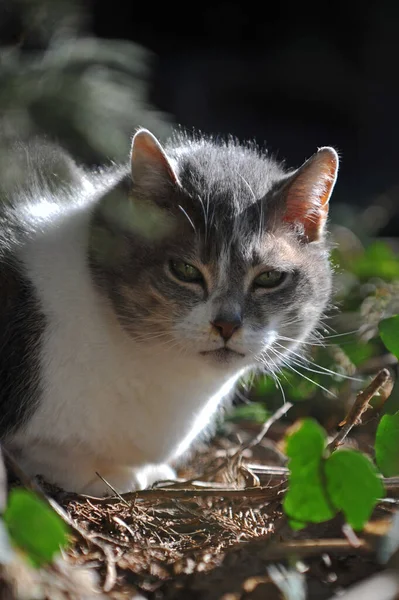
(234, 268)
(248, 305)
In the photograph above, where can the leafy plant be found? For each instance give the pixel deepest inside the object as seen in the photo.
(378, 260)
(387, 445)
(255, 412)
(34, 527)
(322, 484)
(389, 332)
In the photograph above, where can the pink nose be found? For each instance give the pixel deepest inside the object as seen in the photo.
(226, 328)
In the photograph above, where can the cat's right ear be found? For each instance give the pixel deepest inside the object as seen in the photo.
(150, 166)
(307, 194)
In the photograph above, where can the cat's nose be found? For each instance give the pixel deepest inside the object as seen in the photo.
(226, 327)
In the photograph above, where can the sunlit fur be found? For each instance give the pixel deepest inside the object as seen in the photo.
(126, 369)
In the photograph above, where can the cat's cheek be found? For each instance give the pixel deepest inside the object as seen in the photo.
(194, 329)
(255, 341)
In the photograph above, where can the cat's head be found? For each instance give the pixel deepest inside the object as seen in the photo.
(215, 251)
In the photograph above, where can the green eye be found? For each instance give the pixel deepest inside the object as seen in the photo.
(269, 279)
(185, 272)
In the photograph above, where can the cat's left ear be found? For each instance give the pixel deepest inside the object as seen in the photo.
(150, 165)
(308, 192)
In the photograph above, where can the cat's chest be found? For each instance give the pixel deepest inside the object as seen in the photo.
(119, 399)
(98, 387)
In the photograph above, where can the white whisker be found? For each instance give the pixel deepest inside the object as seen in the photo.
(306, 342)
(327, 337)
(205, 216)
(266, 360)
(188, 218)
(323, 370)
(280, 356)
(248, 186)
(278, 382)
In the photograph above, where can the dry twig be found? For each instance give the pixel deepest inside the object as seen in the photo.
(266, 426)
(235, 459)
(360, 406)
(307, 548)
(264, 493)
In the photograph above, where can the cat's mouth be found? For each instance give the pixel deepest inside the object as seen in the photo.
(223, 354)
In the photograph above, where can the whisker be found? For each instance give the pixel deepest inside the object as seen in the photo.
(328, 337)
(207, 212)
(314, 344)
(266, 360)
(278, 382)
(158, 338)
(188, 218)
(274, 375)
(290, 367)
(317, 333)
(306, 343)
(175, 345)
(149, 336)
(205, 216)
(326, 326)
(323, 371)
(241, 396)
(247, 184)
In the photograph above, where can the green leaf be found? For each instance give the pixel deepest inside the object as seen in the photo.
(353, 485)
(256, 412)
(319, 487)
(306, 500)
(387, 445)
(306, 443)
(34, 527)
(263, 386)
(389, 332)
(296, 525)
(378, 260)
(296, 387)
(358, 352)
(391, 406)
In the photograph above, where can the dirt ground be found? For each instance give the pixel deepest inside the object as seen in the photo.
(216, 534)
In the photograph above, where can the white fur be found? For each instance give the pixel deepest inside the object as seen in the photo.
(108, 405)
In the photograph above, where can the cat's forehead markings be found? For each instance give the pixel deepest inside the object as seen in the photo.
(257, 257)
(224, 261)
(273, 247)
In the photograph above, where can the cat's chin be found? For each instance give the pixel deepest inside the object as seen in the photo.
(223, 356)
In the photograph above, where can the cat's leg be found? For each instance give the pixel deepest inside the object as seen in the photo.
(71, 468)
(75, 469)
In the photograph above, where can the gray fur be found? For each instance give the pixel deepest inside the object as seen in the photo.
(206, 203)
(231, 199)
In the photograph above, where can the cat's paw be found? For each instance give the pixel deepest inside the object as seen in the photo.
(150, 474)
(124, 480)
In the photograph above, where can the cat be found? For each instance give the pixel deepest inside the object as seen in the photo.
(133, 298)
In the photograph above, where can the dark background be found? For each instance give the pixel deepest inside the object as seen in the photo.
(297, 76)
(292, 76)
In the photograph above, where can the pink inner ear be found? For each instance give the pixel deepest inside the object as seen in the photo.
(308, 194)
(147, 153)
